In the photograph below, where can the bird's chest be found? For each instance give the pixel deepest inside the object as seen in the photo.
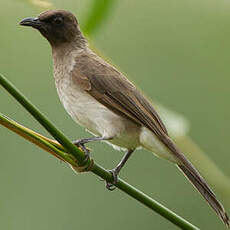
(87, 111)
(91, 114)
(75, 100)
(81, 106)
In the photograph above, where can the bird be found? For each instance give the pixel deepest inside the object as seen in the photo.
(101, 99)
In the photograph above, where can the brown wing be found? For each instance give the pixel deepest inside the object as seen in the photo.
(113, 90)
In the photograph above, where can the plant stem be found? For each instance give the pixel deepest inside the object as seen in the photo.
(97, 15)
(96, 169)
(79, 155)
(148, 201)
(37, 139)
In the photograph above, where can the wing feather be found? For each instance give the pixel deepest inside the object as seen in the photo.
(112, 89)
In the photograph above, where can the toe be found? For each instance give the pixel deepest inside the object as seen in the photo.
(77, 142)
(115, 175)
(110, 186)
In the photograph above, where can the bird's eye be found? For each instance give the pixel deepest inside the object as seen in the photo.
(58, 20)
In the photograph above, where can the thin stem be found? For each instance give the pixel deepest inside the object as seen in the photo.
(37, 139)
(97, 15)
(96, 169)
(148, 201)
(58, 135)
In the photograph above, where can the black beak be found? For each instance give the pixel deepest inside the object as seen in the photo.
(33, 22)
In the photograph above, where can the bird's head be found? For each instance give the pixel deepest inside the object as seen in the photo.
(57, 26)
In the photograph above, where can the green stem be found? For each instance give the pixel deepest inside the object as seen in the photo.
(148, 201)
(79, 155)
(37, 139)
(97, 15)
(96, 169)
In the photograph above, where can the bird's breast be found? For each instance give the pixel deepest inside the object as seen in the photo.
(94, 116)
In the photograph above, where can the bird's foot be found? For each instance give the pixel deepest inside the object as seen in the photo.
(81, 144)
(111, 186)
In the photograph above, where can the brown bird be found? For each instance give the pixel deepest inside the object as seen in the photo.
(106, 103)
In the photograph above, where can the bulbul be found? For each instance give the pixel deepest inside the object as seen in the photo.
(106, 103)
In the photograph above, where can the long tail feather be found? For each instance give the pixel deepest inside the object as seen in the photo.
(197, 180)
(200, 184)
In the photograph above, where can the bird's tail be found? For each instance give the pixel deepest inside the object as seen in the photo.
(178, 158)
(200, 184)
(197, 180)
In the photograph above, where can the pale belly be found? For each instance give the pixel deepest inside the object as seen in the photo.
(96, 118)
(100, 121)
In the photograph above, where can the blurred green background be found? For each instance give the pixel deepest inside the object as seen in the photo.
(177, 52)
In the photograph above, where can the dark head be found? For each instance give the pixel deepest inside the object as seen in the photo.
(57, 26)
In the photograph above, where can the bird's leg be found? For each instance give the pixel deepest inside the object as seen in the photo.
(81, 143)
(117, 169)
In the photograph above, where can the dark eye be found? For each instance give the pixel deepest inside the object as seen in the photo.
(58, 20)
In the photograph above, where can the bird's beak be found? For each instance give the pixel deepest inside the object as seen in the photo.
(33, 22)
